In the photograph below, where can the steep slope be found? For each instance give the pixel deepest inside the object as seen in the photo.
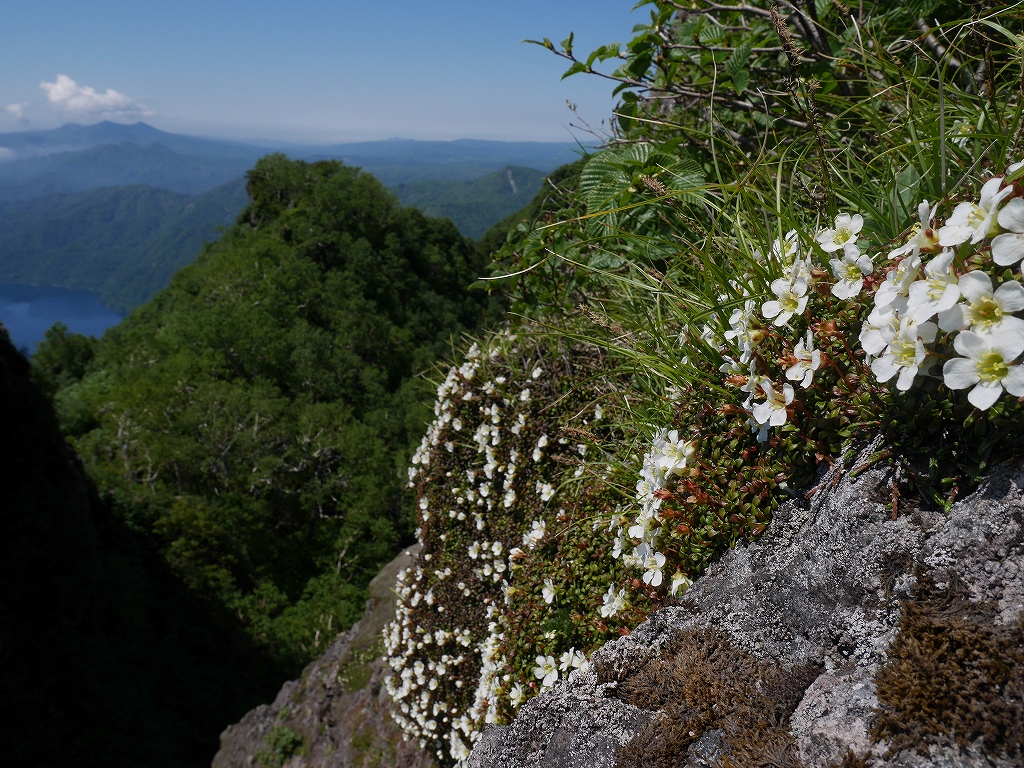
(105, 659)
(337, 714)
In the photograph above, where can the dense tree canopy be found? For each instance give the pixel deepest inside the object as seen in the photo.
(255, 417)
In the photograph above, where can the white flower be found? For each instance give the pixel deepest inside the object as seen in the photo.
(548, 591)
(537, 372)
(752, 385)
(986, 310)
(905, 352)
(517, 695)
(893, 292)
(652, 567)
(787, 249)
(535, 535)
(975, 221)
(936, 292)
(808, 360)
(675, 454)
(773, 410)
(849, 272)
(986, 366)
(924, 237)
(845, 232)
(546, 670)
(791, 300)
(571, 659)
(679, 583)
(546, 490)
(620, 544)
(1008, 248)
(962, 132)
(613, 603)
(881, 325)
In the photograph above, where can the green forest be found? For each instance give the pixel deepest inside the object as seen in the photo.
(247, 431)
(678, 334)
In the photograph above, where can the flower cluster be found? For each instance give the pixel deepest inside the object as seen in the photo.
(669, 456)
(488, 474)
(945, 306)
(943, 300)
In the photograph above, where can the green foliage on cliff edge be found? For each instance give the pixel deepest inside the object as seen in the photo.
(254, 418)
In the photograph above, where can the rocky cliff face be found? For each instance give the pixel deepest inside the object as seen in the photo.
(847, 636)
(336, 714)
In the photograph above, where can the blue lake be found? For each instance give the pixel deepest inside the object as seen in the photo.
(27, 311)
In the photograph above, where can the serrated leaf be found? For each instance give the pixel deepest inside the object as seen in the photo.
(738, 60)
(740, 80)
(711, 33)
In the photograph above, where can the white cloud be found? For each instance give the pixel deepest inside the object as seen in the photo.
(18, 110)
(68, 96)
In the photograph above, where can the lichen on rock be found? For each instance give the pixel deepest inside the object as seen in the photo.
(835, 586)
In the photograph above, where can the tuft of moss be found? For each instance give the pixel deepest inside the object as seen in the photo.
(954, 672)
(282, 745)
(713, 692)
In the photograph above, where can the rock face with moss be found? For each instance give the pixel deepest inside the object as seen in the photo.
(336, 714)
(846, 636)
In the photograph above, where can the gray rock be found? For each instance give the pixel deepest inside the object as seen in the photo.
(824, 586)
(337, 714)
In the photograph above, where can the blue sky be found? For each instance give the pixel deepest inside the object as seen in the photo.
(307, 70)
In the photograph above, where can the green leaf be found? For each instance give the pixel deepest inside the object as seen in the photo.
(738, 60)
(575, 69)
(740, 80)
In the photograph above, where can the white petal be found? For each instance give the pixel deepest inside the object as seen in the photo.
(991, 194)
(971, 344)
(1007, 248)
(1014, 381)
(985, 394)
(953, 319)
(1007, 340)
(1011, 217)
(1009, 295)
(884, 368)
(906, 379)
(975, 286)
(926, 332)
(959, 373)
(954, 234)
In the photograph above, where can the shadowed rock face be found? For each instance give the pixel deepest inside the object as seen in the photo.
(336, 715)
(806, 619)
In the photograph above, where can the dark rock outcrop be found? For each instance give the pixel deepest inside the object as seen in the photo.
(336, 715)
(844, 637)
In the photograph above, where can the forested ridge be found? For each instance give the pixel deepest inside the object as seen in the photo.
(247, 433)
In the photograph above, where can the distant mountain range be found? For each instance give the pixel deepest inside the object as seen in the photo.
(108, 154)
(119, 208)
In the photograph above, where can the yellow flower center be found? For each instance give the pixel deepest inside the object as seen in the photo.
(992, 367)
(851, 272)
(986, 312)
